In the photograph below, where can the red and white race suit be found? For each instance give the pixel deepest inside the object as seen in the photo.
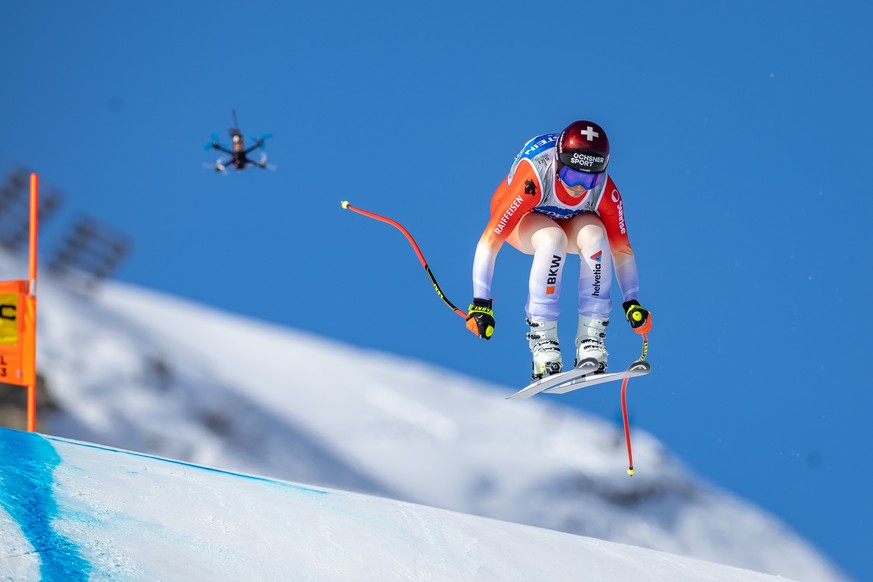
(532, 186)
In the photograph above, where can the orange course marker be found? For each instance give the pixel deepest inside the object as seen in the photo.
(18, 321)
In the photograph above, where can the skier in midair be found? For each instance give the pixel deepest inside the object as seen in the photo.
(558, 198)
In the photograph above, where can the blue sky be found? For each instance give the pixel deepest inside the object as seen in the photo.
(740, 143)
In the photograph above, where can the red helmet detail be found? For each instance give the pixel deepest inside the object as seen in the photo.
(583, 146)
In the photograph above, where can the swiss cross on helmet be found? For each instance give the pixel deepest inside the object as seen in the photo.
(584, 147)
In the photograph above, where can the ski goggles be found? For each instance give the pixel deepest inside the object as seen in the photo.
(572, 177)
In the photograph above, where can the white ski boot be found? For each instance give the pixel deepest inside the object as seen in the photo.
(543, 341)
(589, 341)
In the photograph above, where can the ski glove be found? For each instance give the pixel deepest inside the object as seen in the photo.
(639, 317)
(480, 318)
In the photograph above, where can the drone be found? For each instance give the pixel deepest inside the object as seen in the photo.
(239, 153)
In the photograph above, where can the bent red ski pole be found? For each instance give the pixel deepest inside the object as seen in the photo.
(624, 416)
(397, 225)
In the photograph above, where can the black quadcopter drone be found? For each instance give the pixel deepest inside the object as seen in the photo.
(239, 154)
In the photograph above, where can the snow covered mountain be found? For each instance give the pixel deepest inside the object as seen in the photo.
(142, 371)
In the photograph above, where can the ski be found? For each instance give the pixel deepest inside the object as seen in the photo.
(580, 378)
(640, 368)
(584, 368)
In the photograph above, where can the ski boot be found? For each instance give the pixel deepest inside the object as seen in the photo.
(589, 341)
(543, 341)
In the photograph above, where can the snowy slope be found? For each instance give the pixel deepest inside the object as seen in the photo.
(146, 372)
(94, 513)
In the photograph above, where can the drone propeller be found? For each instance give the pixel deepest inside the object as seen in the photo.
(263, 163)
(217, 167)
(213, 143)
(263, 138)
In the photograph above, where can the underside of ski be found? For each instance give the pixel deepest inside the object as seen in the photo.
(582, 376)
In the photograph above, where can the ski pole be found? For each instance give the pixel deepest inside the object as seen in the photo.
(630, 455)
(347, 206)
